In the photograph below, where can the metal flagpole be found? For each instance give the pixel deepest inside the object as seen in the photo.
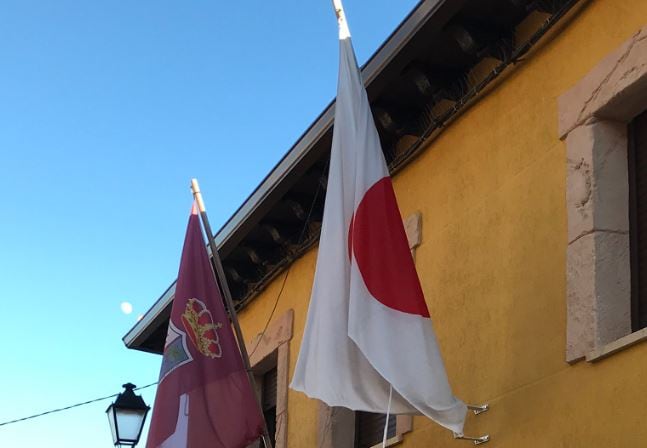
(224, 287)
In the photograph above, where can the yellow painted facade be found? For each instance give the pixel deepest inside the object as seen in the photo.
(491, 190)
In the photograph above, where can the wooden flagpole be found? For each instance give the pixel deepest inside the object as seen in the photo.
(224, 287)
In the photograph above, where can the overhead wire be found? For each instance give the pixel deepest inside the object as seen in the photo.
(95, 400)
(53, 411)
(289, 268)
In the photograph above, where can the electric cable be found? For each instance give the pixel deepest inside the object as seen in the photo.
(287, 273)
(52, 411)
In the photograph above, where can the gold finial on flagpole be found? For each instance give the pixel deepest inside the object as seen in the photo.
(197, 195)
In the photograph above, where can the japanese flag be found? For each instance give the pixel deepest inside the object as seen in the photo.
(368, 325)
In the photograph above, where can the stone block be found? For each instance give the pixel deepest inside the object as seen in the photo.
(597, 184)
(614, 89)
(580, 297)
(613, 287)
(413, 229)
(598, 292)
(336, 427)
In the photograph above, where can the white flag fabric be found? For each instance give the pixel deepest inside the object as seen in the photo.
(368, 325)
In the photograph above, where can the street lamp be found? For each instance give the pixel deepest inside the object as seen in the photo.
(127, 416)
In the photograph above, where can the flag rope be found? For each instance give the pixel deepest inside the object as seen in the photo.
(388, 414)
(52, 411)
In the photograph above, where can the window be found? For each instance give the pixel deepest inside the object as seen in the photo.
(602, 119)
(369, 429)
(268, 401)
(269, 356)
(638, 219)
(342, 428)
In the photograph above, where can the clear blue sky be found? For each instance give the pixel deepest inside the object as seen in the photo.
(107, 109)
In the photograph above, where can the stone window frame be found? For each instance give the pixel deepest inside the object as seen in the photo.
(272, 349)
(593, 121)
(336, 424)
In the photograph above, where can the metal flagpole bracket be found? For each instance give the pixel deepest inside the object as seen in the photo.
(476, 440)
(476, 409)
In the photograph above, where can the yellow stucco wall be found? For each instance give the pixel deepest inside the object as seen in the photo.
(491, 190)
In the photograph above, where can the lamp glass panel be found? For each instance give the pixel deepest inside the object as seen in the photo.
(113, 428)
(130, 423)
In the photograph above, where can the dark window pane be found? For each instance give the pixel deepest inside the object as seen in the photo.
(269, 402)
(369, 428)
(269, 389)
(638, 219)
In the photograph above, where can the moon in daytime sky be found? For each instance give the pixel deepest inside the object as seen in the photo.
(126, 307)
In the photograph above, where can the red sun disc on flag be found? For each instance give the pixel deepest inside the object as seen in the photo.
(382, 252)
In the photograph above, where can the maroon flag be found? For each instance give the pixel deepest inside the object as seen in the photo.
(204, 398)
